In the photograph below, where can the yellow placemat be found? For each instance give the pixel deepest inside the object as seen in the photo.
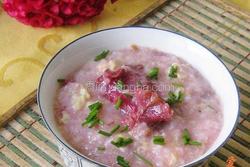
(25, 50)
(244, 4)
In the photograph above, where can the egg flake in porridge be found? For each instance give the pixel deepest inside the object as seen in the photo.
(143, 103)
(73, 93)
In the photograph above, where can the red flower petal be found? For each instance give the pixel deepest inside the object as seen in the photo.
(50, 13)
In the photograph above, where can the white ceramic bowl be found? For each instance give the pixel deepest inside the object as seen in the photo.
(83, 49)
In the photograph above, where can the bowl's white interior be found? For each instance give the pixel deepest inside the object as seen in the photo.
(84, 49)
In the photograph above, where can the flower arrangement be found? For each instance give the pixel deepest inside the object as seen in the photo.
(51, 13)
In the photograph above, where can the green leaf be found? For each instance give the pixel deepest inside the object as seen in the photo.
(122, 162)
(118, 103)
(153, 73)
(122, 142)
(159, 140)
(102, 55)
(173, 71)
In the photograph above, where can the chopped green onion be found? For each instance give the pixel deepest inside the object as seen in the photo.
(101, 122)
(153, 73)
(104, 133)
(92, 119)
(147, 162)
(159, 140)
(210, 107)
(95, 106)
(128, 95)
(175, 97)
(122, 162)
(186, 137)
(178, 84)
(138, 83)
(120, 85)
(122, 142)
(102, 55)
(93, 123)
(115, 129)
(124, 129)
(173, 70)
(61, 81)
(196, 143)
(101, 148)
(118, 103)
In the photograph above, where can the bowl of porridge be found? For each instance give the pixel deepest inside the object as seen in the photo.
(138, 97)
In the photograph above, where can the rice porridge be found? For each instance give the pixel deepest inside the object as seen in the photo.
(138, 107)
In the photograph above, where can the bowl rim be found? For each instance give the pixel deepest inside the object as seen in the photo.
(137, 27)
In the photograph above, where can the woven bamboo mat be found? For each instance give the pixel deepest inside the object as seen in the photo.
(25, 141)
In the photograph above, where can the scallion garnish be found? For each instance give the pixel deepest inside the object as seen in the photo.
(104, 133)
(209, 106)
(153, 73)
(120, 85)
(115, 129)
(101, 148)
(61, 81)
(92, 119)
(147, 162)
(159, 140)
(101, 122)
(186, 137)
(124, 129)
(93, 123)
(118, 103)
(122, 162)
(128, 95)
(196, 143)
(107, 134)
(122, 142)
(178, 84)
(175, 97)
(138, 83)
(102, 55)
(173, 71)
(95, 106)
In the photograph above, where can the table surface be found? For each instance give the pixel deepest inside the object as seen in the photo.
(25, 141)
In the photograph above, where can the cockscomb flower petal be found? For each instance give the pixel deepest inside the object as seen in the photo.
(51, 13)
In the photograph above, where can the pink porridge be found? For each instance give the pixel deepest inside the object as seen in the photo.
(138, 107)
